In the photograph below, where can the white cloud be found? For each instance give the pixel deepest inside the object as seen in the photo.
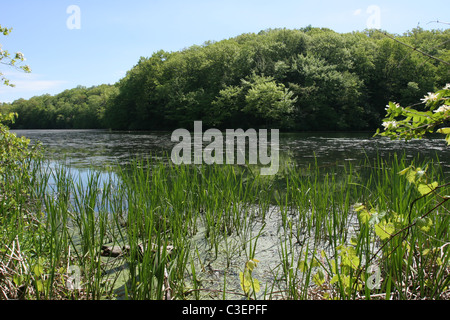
(28, 85)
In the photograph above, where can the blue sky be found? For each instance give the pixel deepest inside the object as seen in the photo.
(113, 34)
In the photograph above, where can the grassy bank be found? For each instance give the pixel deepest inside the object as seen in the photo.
(160, 231)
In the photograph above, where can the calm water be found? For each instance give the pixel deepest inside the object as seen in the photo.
(99, 148)
(85, 148)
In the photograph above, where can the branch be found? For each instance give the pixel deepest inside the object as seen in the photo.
(415, 49)
(437, 21)
(358, 275)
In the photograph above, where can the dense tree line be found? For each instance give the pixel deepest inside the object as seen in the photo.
(307, 79)
(78, 108)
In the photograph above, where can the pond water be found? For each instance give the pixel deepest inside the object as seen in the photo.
(82, 149)
(85, 150)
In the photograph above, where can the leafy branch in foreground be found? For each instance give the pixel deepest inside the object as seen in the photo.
(408, 123)
(408, 248)
(248, 283)
(11, 60)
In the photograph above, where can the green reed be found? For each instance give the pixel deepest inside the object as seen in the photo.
(62, 221)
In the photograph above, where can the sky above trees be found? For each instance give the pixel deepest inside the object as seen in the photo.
(70, 43)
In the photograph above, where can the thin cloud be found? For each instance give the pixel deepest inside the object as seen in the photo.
(28, 85)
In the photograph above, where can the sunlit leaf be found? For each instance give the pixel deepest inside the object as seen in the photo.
(404, 171)
(39, 285)
(319, 278)
(256, 287)
(425, 224)
(251, 264)
(444, 130)
(303, 265)
(384, 230)
(426, 188)
(411, 176)
(364, 215)
(38, 270)
(245, 285)
(334, 279)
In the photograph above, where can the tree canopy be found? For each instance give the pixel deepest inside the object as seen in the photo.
(305, 79)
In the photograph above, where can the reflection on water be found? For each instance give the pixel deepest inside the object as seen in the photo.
(101, 148)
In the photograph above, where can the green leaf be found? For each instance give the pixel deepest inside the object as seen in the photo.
(427, 188)
(256, 286)
(319, 278)
(303, 266)
(39, 285)
(245, 281)
(251, 264)
(349, 257)
(404, 171)
(17, 279)
(384, 230)
(334, 279)
(447, 138)
(444, 131)
(425, 224)
(411, 176)
(364, 215)
(38, 270)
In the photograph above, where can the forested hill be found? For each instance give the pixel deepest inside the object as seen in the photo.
(307, 79)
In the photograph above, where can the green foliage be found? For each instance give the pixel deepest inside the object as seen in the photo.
(248, 283)
(409, 123)
(11, 60)
(406, 237)
(78, 108)
(15, 153)
(307, 79)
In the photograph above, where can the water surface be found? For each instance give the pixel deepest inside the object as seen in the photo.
(102, 148)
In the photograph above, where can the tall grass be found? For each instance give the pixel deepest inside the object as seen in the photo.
(186, 231)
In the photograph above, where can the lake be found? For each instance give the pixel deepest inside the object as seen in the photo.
(82, 149)
(281, 231)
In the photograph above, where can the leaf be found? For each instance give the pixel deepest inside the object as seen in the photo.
(376, 217)
(319, 278)
(444, 130)
(404, 171)
(349, 257)
(447, 138)
(334, 279)
(427, 188)
(248, 283)
(425, 224)
(38, 270)
(411, 176)
(364, 215)
(359, 206)
(39, 285)
(244, 284)
(17, 280)
(303, 266)
(256, 286)
(251, 264)
(384, 230)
